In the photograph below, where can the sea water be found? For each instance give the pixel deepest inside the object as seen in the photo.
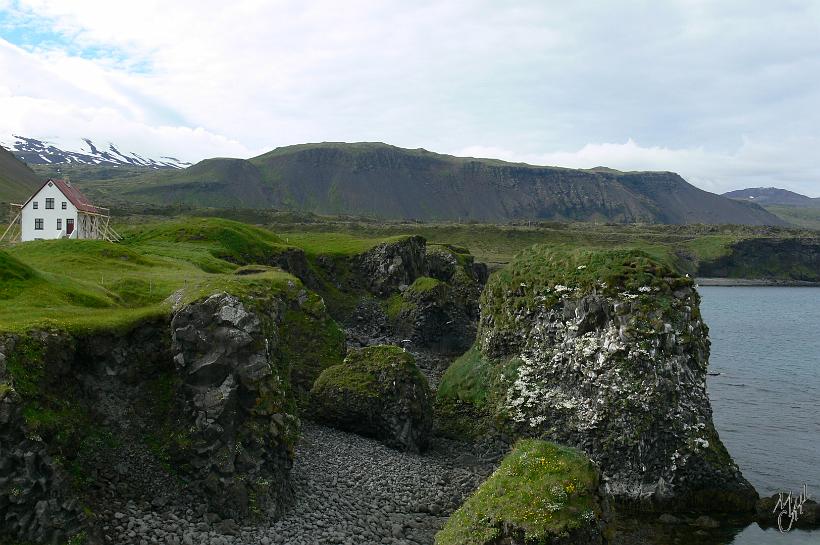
(766, 397)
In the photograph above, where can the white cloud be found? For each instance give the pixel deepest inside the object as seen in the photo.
(724, 93)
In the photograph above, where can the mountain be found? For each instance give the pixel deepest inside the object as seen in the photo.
(390, 182)
(41, 152)
(766, 196)
(17, 181)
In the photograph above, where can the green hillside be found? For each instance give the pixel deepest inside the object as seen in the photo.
(378, 180)
(801, 216)
(17, 181)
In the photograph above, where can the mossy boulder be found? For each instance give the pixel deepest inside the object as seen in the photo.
(377, 392)
(542, 494)
(605, 351)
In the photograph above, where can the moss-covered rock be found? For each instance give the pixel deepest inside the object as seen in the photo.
(541, 494)
(605, 351)
(378, 392)
(439, 311)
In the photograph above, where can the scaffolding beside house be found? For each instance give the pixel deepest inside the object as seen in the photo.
(40, 217)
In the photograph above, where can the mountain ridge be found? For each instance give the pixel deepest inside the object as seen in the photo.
(377, 179)
(773, 196)
(42, 152)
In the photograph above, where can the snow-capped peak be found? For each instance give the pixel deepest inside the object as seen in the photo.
(41, 152)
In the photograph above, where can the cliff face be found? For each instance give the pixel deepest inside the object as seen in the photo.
(772, 258)
(607, 352)
(195, 408)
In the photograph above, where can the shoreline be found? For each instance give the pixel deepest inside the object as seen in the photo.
(755, 282)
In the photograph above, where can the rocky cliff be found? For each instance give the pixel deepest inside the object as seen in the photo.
(195, 409)
(605, 351)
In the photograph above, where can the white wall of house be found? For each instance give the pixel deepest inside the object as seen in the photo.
(54, 220)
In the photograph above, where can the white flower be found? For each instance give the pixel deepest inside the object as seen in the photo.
(581, 267)
(561, 288)
(644, 289)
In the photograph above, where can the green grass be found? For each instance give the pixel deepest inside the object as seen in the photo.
(89, 285)
(808, 218)
(469, 378)
(335, 244)
(711, 247)
(424, 284)
(542, 489)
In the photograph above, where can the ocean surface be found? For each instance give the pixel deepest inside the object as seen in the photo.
(766, 398)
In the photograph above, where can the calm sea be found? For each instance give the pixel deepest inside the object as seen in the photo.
(766, 399)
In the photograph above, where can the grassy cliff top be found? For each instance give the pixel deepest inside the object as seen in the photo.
(544, 266)
(71, 284)
(542, 489)
(90, 284)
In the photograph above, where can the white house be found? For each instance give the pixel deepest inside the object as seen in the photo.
(60, 210)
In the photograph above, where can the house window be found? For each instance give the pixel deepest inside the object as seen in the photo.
(59, 224)
(38, 224)
(65, 205)
(34, 205)
(49, 204)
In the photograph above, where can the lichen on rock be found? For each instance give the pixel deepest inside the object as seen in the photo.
(610, 355)
(378, 392)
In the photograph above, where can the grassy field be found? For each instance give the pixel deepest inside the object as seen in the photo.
(86, 284)
(680, 246)
(95, 284)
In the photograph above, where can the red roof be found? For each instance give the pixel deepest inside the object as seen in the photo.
(71, 193)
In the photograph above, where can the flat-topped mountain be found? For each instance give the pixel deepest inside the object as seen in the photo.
(773, 196)
(385, 181)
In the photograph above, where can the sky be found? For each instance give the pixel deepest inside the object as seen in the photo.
(725, 93)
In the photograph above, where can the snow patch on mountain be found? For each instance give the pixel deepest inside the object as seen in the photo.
(40, 152)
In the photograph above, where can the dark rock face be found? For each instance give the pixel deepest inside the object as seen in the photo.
(100, 419)
(234, 398)
(392, 264)
(789, 259)
(432, 296)
(36, 503)
(377, 392)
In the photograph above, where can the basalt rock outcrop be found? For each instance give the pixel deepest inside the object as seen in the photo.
(428, 295)
(36, 500)
(194, 408)
(440, 311)
(377, 392)
(235, 405)
(390, 265)
(607, 352)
